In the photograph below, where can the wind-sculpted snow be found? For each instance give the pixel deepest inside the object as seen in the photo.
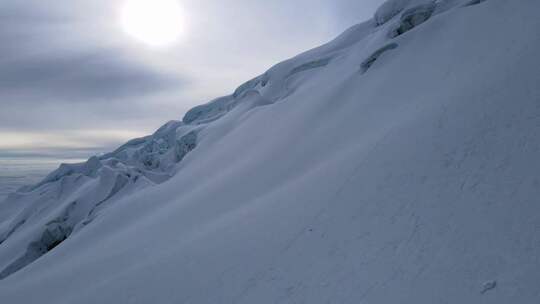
(86, 188)
(389, 9)
(88, 168)
(375, 56)
(55, 232)
(211, 111)
(377, 168)
(311, 65)
(413, 17)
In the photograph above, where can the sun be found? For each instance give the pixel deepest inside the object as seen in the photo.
(154, 22)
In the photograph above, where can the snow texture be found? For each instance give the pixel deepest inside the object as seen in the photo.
(373, 169)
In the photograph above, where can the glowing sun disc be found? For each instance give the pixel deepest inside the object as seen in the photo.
(154, 22)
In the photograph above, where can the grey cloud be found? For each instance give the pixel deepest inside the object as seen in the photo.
(101, 74)
(46, 52)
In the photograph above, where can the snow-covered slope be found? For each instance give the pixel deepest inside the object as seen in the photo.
(396, 164)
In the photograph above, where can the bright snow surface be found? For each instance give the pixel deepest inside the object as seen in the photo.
(396, 164)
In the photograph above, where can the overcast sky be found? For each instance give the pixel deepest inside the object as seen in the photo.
(72, 80)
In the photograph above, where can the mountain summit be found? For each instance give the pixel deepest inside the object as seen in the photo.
(396, 164)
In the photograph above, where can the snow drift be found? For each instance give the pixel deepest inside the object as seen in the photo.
(395, 164)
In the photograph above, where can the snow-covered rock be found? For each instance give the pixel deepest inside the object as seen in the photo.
(377, 168)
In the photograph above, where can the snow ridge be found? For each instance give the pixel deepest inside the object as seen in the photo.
(394, 164)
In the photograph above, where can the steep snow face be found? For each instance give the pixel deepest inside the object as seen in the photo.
(395, 164)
